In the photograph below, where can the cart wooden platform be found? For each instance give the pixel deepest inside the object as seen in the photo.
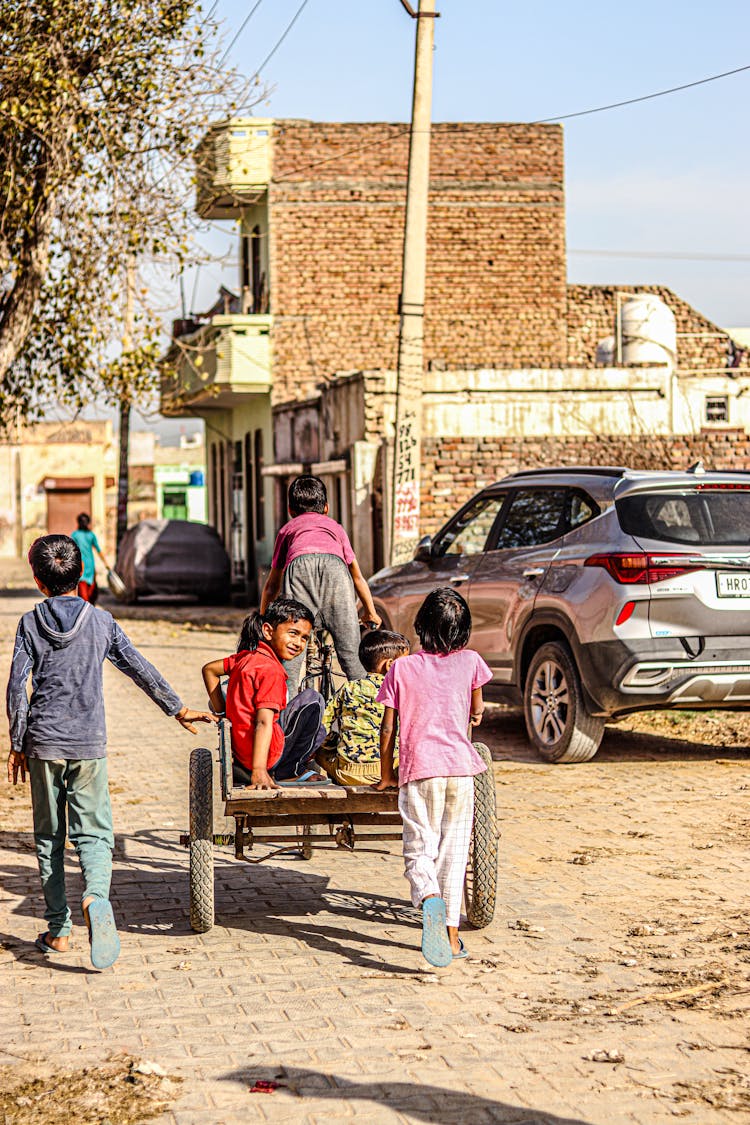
(302, 818)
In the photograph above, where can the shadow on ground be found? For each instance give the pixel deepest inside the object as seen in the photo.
(150, 897)
(419, 1101)
(504, 732)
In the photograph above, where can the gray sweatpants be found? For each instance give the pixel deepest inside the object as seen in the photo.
(324, 584)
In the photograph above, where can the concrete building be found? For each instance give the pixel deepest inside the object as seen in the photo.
(166, 482)
(50, 473)
(297, 369)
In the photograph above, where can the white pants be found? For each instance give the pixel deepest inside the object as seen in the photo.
(437, 813)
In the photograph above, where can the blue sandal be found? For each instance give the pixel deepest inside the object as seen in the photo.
(105, 944)
(436, 949)
(462, 951)
(47, 950)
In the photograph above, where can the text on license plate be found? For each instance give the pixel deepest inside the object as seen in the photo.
(732, 585)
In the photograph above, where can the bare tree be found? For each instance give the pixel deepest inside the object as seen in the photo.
(101, 105)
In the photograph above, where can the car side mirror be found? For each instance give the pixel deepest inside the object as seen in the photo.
(423, 552)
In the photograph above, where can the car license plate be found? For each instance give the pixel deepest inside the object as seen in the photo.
(730, 585)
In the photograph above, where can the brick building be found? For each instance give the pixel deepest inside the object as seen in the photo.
(297, 368)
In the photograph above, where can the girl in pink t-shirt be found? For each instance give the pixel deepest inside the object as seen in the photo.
(437, 694)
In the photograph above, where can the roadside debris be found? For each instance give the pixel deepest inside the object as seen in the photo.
(605, 1056)
(525, 927)
(265, 1086)
(680, 994)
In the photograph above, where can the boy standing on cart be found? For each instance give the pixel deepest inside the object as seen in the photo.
(313, 563)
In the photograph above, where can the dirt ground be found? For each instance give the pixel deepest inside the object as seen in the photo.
(613, 985)
(121, 1092)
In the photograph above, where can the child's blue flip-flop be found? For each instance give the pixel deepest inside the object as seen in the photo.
(436, 949)
(462, 951)
(42, 946)
(105, 944)
(309, 778)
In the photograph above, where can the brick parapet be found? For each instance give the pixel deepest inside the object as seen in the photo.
(701, 344)
(455, 468)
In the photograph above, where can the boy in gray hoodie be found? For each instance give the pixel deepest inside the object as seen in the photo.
(59, 736)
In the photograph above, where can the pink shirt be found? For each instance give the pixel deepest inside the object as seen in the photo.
(311, 534)
(432, 694)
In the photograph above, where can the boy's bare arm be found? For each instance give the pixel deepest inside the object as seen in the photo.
(260, 777)
(368, 615)
(271, 587)
(477, 707)
(212, 673)
(387, 744)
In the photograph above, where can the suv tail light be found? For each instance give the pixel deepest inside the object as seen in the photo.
(627, 569)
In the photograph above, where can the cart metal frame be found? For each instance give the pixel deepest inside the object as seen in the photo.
(298, 816)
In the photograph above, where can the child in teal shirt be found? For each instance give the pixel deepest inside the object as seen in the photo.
(87, 543)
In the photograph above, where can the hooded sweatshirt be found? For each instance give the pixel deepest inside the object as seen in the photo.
(63, 642)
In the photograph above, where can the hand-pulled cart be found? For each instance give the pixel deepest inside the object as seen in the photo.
(297, 818)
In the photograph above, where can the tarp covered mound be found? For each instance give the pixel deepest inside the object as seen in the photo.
(174, 558)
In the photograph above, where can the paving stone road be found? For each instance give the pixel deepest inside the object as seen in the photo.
(622, 926)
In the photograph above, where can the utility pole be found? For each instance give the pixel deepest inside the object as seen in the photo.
(123, 476)
(408, 438)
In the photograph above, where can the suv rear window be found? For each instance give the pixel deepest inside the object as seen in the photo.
(706, 518)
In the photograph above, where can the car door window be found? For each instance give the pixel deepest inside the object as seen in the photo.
(535, 516)
(582, 509)
(468, 534)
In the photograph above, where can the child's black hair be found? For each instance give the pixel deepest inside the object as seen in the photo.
(307, 494)
(443, 621)
(381, 644)
(83, 521)
(56, 561)
(283, 609)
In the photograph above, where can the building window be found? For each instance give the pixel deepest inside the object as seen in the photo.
(213, 514)
(237, 531)
(246, 281)
(221, 514)
(717, 409)
(260, 501)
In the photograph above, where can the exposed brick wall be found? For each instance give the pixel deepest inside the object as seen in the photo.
(454, 469)
(496, 291)
(591, 317)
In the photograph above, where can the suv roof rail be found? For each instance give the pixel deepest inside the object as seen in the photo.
(593, 471)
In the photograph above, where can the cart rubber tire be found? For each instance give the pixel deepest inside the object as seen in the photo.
(480, 885)
(201, 840)
(307, 831)
(553, 670)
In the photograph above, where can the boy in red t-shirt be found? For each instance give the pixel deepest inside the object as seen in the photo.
(314, 562)
(270, 740)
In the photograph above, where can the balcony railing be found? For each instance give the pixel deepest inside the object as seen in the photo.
(217, 364)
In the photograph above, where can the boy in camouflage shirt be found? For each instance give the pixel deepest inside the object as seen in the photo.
(350, 754)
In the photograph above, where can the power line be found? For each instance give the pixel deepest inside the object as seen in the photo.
(479, 125)
(673, 255)
(643, 98)
(281, 38)
(209, 13)
(239, 31)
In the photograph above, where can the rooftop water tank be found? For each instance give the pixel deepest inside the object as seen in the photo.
(648, 330)
(605, 352)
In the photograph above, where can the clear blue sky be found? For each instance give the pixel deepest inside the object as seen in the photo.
(668, 175)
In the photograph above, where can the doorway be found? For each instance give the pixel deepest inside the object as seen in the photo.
(67, 497)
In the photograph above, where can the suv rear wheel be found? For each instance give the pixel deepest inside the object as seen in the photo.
(557, 722)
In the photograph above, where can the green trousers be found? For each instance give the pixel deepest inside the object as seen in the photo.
(71, 798)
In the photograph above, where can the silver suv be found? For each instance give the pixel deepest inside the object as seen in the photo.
(596, 592)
